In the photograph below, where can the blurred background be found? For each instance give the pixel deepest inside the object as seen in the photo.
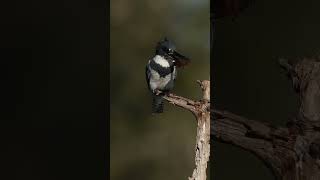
(145, 146)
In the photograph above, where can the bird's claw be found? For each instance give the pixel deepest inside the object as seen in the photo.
(157, 92)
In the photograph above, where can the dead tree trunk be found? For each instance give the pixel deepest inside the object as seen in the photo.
(201, 111)
(292, 152)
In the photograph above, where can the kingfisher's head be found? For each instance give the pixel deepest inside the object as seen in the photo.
(166, 48)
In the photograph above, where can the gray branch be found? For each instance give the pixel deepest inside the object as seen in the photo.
(292, 152)
(200, 109)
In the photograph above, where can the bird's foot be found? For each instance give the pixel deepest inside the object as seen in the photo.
(157, 92)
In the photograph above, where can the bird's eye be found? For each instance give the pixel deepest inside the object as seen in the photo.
(165, 49)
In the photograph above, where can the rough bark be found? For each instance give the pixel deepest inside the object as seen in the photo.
(201, 111)
(291, 152)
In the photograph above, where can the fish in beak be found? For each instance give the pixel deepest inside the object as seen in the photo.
(179, 59)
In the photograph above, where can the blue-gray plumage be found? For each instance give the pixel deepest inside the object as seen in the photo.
(161, 72)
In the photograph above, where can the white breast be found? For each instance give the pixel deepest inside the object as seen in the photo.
(161, 61)
(157, 82)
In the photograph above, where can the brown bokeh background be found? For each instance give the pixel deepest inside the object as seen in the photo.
(143, 146)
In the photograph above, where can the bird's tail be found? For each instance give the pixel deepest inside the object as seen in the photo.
(157, 103)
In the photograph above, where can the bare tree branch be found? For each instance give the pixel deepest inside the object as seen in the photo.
(261, 139)
(185, 103)
(292, 152)
(200, 109)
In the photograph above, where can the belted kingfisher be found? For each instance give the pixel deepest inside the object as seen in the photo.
(161, 72)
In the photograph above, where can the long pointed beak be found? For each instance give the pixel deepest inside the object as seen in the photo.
(180, 60)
